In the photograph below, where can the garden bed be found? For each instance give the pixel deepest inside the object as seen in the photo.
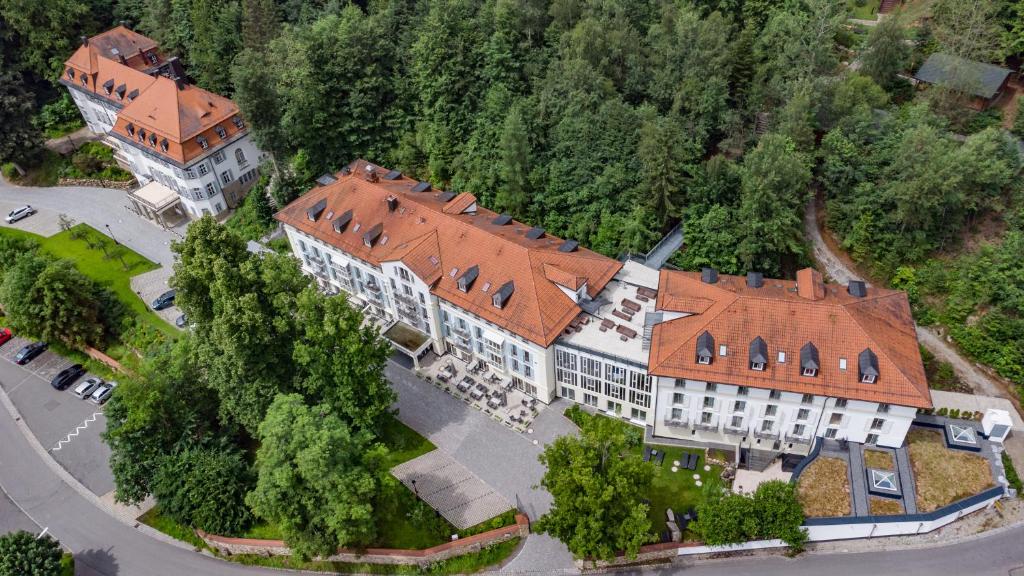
(885, 506)
(941, 475)
(824, 488)
(878, 460)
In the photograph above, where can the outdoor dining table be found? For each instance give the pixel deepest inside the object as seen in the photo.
(476, 394)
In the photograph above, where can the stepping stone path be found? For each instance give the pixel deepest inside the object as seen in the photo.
(699, 483)
(675, 469)
(707, 468)
(675, 463)
(696, 476)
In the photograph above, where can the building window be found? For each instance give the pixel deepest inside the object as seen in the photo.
(807, 399)
(739, 406)
(218, 207)
(810, 372)
(771, 410)
(680, 383)
(709, 401)
(877, 423)
(637, 414)
(711, 387)
(190, 174)
(203, 169)
(840, 402)
(494, 353)
(775, 395)
(705, 417)
(883, 408)
(872, 439)
(218, 157)
(799, 429)
(568, 393)
(742, 391)
(678, 398)
(703, 359)
(211, 190)
(835, 419)
(226, 177)
(802, 414)
(830, 432)
(677, 414)
(614, 407)
(589, 399)
(240, 157)
(766, 425)
(868, 378)
(737, 422)
(759, 366)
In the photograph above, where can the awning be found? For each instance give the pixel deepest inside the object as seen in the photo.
(156, 196)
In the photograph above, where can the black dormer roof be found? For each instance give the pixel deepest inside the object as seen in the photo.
(446, 196)
(501, 296)
(809, 357)
(758, 351)
(569, 246)
(755, 279)
(326, 179)
(371, 236)
(341, 222)
(535, 233)
(133, 94)
(316, 210)
(708, 275)
(108, 85)
(120, 90)
(468, 277)
(421, 187)
(857, 288)
(867, 364)
(393, 175)
(501, 220)
(706, 345)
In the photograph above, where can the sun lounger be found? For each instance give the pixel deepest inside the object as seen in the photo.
(661, 458)
(647, 453)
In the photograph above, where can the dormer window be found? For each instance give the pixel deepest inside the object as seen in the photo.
(500, 298)
(85, 80)
(120, 90)
(163, 145)
(142, 135)
(867, 366)
(809, 372)
(809, 364)
(237, 122)
(220, 131)
(152, 139)
(131, 129)
(151, 56)
(758, 354)
(465, 281)
(705, 348)
(71, 73)
(203, 142)
(108, 87)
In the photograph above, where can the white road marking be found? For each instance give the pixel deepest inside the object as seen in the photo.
(76, 432)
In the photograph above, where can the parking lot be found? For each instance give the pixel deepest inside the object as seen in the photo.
(68, 427)
(44, 223)
(151, 285)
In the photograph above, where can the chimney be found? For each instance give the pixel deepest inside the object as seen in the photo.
(120, 58)
(85, 40)
(708, 275)
(179, 82)
(809, 284)
(392, 203)
(124, 23)
(371, 173)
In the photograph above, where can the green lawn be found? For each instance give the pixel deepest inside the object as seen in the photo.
(676, 490)
(108, 272)
(863, 9)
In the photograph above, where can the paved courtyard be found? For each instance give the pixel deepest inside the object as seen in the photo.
(451, 489)
(152, 284)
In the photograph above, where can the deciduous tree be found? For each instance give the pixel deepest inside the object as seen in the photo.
(25, 554)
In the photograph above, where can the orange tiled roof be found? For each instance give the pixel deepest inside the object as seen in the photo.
(439, 247)
(838, 324)
(177, 114)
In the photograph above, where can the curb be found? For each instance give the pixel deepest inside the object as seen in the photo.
(77, 486)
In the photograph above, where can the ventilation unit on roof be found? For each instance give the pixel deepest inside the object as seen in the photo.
(371, 235)
(501, 296)
(535, 233)
(501, 220)
(393, 175)
(341, 222)
(325, 179)
(316, 210)
(468, 277)
(421, 187)
(857, 288)
(755, 280)
(392, 203)
(446, 196)
(569, 246)
(371, 173)
(708, 275)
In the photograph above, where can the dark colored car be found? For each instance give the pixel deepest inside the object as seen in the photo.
(67, 376)
(181, 321)
(164, 300)
(30, 351)
(5, 335)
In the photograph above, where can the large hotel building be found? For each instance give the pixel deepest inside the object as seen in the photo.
(761, 364)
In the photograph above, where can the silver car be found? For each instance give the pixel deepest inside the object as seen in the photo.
(19, 213)
(85, 389)
(102, 393)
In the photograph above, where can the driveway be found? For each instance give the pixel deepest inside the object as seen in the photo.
(98, 207)
(68, 427)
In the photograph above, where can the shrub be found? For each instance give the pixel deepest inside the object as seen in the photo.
(24, 554)
(774, 511)
(205, 488)
(1018, 122)
(943, 411)
(1011, 475)
(59, 117)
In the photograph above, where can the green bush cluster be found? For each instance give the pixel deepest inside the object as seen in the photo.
(94, 160)
(1011, 475)
(59, 117)
(773, 511)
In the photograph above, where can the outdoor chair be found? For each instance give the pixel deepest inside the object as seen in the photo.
(661, 458)
(647, 453)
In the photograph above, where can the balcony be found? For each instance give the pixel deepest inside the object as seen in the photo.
(736, 430)
(463, 332)
(373, 288)
(342, 271)
(797, 439)
(708, 427)
(405, 299)
(766, 434)
(675, 423)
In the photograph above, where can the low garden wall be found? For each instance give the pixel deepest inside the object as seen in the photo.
(468, 545)
(117, 184)
(101, 357)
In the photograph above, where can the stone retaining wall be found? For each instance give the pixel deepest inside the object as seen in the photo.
(101, 357)
(116, 184)
(230, 546)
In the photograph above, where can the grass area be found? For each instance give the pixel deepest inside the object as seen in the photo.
(824, 488)
(466, 564)
(878, 460)
(863, 9)
(113, 272)
(675, 490)
(941, 475)
(67, 565)
(1011, 474)
(172, 528)
(63, 129)
(884, 506)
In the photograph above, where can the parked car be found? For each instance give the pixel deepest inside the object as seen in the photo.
(102, 393)
(67, 376)
(181, 321)
(28, 352)
(164, 300)
(86, 388)
(5, 335)
(19, 213)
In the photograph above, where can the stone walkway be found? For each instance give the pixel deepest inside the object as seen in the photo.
(451, 489)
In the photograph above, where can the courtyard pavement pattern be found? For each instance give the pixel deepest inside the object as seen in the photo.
(451, 489)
